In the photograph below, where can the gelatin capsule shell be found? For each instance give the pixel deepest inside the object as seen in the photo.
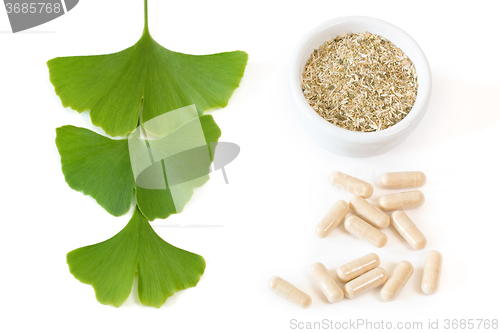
(351, 184)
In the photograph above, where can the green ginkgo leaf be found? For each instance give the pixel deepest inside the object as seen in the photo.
(115, 86)
(100, 167)
(110, 266)
(124, 91)
(155, 203)
(97, 166)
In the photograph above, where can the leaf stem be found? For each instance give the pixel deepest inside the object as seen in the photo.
(146, 28)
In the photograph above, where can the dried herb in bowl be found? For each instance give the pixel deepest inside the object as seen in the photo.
(361, 82)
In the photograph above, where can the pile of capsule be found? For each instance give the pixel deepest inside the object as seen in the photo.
(364, 274)
(369, 219)
(360, 276)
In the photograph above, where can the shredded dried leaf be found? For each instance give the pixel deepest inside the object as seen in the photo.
(361, 82)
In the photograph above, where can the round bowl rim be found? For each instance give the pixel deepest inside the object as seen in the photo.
(423, 92)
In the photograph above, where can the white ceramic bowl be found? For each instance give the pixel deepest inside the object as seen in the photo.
(337, 139)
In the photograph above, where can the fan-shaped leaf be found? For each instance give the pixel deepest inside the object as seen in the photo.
(110, 266)
(113, 86)
(97, 166)
(100, 167)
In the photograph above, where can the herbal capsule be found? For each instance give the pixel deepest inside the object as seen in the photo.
(332, 218)
(289, 292)
(397, 281)
(408, 230)
(403, 179)
(350, 184)
(403, 200)
(432, 272)
(357, 267)
(369, 212)
(326, 283)
(364, 231)
(366, 282)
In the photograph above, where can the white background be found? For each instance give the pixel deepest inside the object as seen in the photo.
(278, 187)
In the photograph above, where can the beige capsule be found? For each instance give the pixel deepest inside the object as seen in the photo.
(403, 200)
(332, 218)
(289, 292)
(326, 283)
(369, 212)
(366, 282)
(432, 272)
(403, 179)
(357, 267)
(397, 281)
(364, 231)
(350, 184)
(406, 228)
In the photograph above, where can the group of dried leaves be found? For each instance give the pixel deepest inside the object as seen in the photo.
(360, 82)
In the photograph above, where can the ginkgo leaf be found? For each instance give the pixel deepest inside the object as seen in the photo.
(114, 86)
(97, 166)
(124, 91)
(100, 167)
(156, 203)
(110, 267)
